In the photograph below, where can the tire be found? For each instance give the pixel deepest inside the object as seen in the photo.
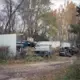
(68, 55)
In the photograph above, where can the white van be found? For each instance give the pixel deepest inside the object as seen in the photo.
(65, 44)
(44, 47)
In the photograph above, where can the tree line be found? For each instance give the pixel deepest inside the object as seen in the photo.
(34, 17)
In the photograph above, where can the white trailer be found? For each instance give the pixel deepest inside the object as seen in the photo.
(10, 41)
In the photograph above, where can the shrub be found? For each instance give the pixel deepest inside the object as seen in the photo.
(73, 73)
(4, 50)
(33, 58)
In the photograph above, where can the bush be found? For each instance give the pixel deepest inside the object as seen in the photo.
(4, 50)
(33, 58)
(73, 73)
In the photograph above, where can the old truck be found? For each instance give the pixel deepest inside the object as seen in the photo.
(43, 48)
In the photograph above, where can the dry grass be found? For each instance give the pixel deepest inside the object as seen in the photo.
(50, 75)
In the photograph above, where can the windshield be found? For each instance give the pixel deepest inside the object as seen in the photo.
(43, 45)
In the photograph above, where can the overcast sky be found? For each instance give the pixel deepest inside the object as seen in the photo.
(57, 3)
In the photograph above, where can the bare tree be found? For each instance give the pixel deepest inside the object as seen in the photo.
(65, 17)
(31, 10)
(10, 10)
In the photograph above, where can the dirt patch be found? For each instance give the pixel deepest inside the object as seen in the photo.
(31, 70)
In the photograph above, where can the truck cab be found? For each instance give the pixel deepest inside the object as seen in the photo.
(43, 48)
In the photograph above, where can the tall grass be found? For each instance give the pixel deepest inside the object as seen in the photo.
(73, 72)
(4, 53)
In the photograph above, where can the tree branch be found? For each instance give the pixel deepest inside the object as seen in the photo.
(13, 14)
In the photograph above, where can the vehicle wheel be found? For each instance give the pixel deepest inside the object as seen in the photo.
(68, 55)
(61, 54)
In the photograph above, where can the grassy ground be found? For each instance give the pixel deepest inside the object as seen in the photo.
(30, 59)
(73, 72)
(34, 59)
